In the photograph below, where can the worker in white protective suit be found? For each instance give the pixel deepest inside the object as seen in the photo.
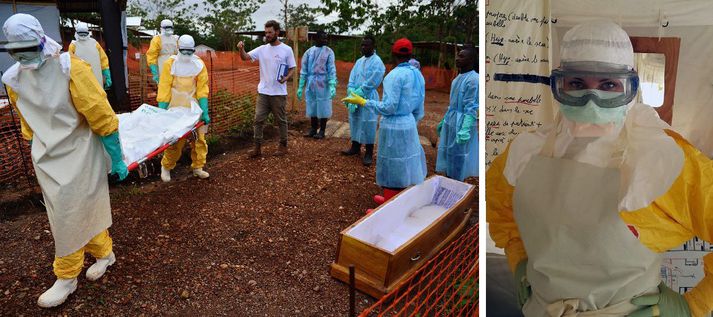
(161, 48)
(184, 81)
(65, 115)
(585, 207)
(89, 50)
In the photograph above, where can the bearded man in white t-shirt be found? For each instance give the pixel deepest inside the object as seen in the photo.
(277, 65)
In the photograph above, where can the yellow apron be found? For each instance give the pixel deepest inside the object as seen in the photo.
(182, 95)
(183, 91)
(87, 51)
(582, 258)
(69, 159)
(169, 47)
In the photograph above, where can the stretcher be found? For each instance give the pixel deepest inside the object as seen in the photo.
(140, 166)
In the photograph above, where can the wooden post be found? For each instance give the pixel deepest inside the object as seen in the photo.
(142, 75)
(352, 291)
(295, 80)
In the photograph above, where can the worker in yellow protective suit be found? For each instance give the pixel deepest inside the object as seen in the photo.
(184, 81)
(584, 208)
(89, 50)
(161, 48)
(65, 116)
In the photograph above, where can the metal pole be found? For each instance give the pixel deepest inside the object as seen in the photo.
(113, 38)
(352, 291)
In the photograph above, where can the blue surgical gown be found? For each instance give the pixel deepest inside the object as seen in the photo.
(318, 69)
(459, 161)
(400, 160)
(367, 74)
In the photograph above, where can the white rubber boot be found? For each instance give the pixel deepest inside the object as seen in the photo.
(165, 174)
(200, 173)
(97, 270)
(58, 293)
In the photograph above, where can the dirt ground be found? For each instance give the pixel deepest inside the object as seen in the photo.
(255, 239)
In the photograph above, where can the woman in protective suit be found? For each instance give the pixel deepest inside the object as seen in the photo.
(68, 121)
(584, 208)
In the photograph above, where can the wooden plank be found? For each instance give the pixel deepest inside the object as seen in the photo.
(363, 283)
(367, 260)
(428, 243)
(669, 46)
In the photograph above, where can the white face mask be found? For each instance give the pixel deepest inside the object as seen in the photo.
(29, 60)
(82, 37)
(184, 58)
(167, 32)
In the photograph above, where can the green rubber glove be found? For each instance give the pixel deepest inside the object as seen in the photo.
(464, 134)
(30, 141)
(203, 103)
(352, 107)
(154, 72)
(440, 126)
(359, 92)
(522, 286)
(163, 105)
(107, 78)
(665, 303)
(332, 88)
(355, 99)
(299, 89)
(112, 145)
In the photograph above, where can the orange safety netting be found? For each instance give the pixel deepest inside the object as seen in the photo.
(445, 286)
(16, 170)
(233, 89)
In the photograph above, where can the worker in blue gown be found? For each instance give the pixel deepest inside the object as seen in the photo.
(319, 76)
(364, 79)
(458, 147)
(400, 161)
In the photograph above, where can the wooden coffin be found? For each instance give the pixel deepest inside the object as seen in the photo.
(392, 242)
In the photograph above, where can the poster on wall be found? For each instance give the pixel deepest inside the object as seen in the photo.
(517, 70)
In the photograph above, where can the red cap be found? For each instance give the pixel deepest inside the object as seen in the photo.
(402, 46)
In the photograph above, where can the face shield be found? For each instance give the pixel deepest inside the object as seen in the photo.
(167, 30)
(606, 85)
(29, 57)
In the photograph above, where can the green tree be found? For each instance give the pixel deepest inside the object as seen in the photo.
(301, 15)
(226, 17)
(351, 14)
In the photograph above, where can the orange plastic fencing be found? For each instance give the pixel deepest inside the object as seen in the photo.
(445, 286)
(436, 78)
(233, 89)
(16, 170)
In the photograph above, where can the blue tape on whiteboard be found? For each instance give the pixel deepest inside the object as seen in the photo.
(523, 78)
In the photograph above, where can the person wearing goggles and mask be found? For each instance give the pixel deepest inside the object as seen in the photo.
(65, 115)
(184, 80)
(161, 48)
(584, 208)
(89, 50)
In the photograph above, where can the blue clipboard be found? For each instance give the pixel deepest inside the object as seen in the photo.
(282, 71)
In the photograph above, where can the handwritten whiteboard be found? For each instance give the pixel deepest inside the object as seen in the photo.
(517, 69)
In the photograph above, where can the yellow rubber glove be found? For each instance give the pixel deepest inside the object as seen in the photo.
(355, 99)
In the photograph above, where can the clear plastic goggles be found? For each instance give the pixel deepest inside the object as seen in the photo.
(83, 34)
(607, 85)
